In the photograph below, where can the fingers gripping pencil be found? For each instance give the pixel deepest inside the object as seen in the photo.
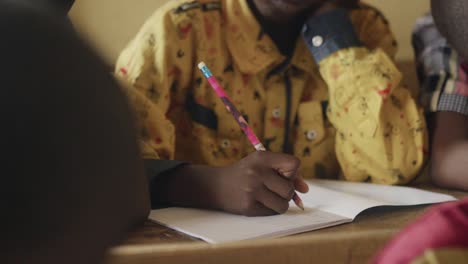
(239, 118)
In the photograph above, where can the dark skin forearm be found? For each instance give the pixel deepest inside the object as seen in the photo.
(450, 150)
(188, 186)
(450, 140)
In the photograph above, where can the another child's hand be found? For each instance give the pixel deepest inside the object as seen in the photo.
(261, 184)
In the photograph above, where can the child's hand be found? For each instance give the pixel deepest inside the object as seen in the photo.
(263, 183)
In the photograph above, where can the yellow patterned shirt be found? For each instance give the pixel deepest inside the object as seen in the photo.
(337, 103)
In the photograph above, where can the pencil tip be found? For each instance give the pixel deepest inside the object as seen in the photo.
(301, 205)
(297, 200)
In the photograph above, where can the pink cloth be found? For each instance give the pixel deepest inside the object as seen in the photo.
(444, 226)
(461, 85)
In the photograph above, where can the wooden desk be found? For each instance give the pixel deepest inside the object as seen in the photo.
(356, 242)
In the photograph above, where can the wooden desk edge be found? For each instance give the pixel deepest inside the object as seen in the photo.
(354, 247)
(283, 250)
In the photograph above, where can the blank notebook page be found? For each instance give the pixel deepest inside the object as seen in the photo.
(328, 203)
(217, 227)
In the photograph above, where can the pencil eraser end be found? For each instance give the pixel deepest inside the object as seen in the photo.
(201, 65)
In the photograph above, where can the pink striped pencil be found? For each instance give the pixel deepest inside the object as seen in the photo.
(239, 118)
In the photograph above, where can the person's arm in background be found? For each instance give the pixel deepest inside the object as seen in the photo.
(450, 150)
(444, 93)
(381, 132)
(72, 179)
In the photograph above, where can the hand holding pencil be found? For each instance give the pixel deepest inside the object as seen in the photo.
(285, 172)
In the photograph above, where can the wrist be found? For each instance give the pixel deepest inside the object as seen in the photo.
(193, 186)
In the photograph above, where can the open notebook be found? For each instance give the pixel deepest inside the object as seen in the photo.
(328, 203)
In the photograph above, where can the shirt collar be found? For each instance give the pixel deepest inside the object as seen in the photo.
(251, 48)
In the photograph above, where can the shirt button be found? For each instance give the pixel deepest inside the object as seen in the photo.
(225, 143)
(317, 41)
(311, 135)
(276, 113)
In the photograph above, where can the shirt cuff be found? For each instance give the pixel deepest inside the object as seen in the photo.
(453, 103)
(328, 33)
(155, 168)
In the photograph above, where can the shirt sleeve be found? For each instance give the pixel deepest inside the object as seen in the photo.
(155, 170)
(443, 81)
(381, 133)
(154, 73)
